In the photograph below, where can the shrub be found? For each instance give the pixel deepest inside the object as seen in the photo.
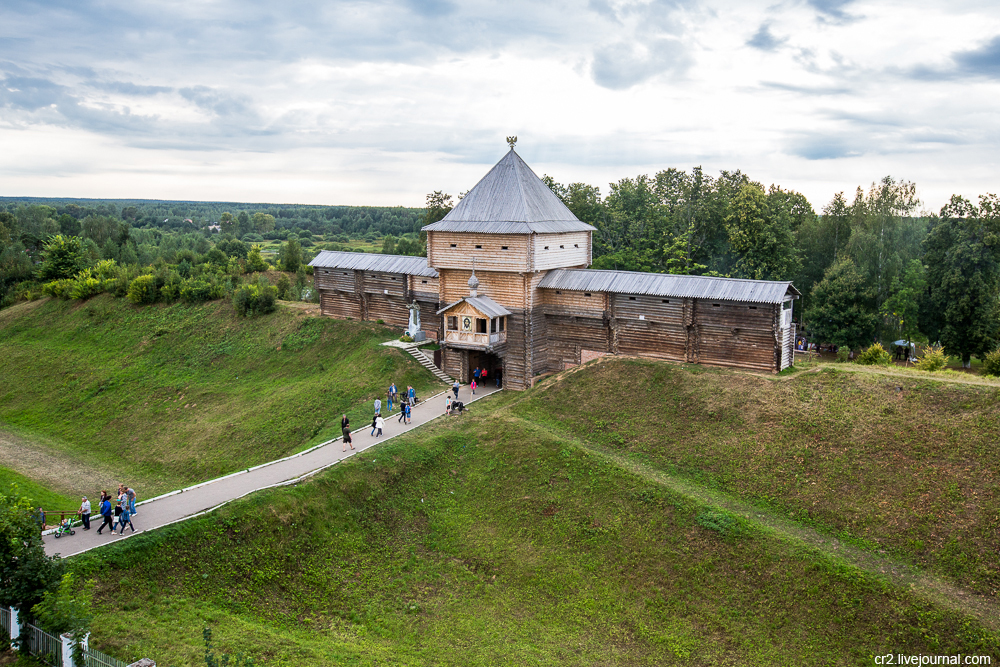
(843, 353)
(991, 363)
(255, 261)
(85, 287)
(284, 287)
(255, 299)
(933, 359)
(876, 355)
(58, 288)
(405, 338)
(143, 290)
(197, 290)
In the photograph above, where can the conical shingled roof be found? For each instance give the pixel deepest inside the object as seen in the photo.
(510, 199)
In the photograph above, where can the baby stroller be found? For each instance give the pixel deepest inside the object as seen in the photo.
(65, 527)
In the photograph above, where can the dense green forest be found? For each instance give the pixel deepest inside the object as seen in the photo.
(871, 267)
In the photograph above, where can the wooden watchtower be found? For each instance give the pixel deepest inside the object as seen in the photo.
(512, 229)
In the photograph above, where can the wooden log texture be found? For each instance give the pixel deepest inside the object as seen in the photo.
(571, 335)
(423, 288)
(340, 305)
(554, 251)
(334, 279)
(391, 310)
(507, 289)
(493, 252)
(390, 284)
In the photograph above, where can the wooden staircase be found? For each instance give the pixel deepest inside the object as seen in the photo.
(428, 363)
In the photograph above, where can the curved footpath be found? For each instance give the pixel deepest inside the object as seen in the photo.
(197, 500)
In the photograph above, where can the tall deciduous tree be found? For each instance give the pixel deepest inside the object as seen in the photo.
(842, 309)
(963, 276)
(902, 308)
(227, 223)
(26, 573)
(759, 227)
(263, 222)
(884, 233)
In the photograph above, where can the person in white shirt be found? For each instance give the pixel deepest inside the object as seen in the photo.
(84, 513)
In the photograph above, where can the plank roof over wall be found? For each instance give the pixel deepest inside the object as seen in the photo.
(510, 199)
(665, 284)
(363, 261)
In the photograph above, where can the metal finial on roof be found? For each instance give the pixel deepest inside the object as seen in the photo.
(473, 280)
(511, 141)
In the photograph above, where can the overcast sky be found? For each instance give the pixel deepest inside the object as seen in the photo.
(381, 102)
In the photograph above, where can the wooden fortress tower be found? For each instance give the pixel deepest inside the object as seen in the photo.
(505, 286)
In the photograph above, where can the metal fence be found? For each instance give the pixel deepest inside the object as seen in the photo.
(94, 658)
(42, 645)
(5, 623)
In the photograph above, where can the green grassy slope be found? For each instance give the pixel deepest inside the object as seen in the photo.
(494, 540)
(39, 495)
(171, 395)
(901, 465)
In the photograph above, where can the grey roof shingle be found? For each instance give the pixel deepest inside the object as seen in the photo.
(665, 284)
(483, 304)
(362, 261)
(510, 199)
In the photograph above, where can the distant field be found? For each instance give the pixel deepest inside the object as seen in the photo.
(166, 396)
(492, 540)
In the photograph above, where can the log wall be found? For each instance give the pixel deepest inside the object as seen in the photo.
(493, 252)
(550, 330)
(553, 251)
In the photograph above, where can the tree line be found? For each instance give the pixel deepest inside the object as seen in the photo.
(872, 267)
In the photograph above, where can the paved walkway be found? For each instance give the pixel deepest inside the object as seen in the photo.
(207, 496)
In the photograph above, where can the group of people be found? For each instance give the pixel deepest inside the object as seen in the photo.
(479, 377)
(117, 516)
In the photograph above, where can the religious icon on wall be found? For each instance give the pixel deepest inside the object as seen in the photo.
(466, 323)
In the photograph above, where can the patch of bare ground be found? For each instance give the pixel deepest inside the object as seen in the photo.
(58, 471)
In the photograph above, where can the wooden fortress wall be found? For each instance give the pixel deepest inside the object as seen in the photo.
(581, 326)
(550, 330)
(367, 295)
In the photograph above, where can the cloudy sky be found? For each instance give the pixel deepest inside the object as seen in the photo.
(382, 102)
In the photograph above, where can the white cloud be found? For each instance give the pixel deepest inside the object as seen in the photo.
(380, 102)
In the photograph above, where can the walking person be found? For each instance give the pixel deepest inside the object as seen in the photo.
(118, 515)
(402, 412)
(130, 494)
(447, 404)
(105, 495)
(455, 387)
(379, 424)
(475, 373)
(375, 423)
(106, 514)
(345, 428)
(472, 386)
(409, 414)
(84, 513)
(482, 377)
(126, 518)
(393, 396)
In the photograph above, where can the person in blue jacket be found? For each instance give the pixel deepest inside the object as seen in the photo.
(107, 515)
